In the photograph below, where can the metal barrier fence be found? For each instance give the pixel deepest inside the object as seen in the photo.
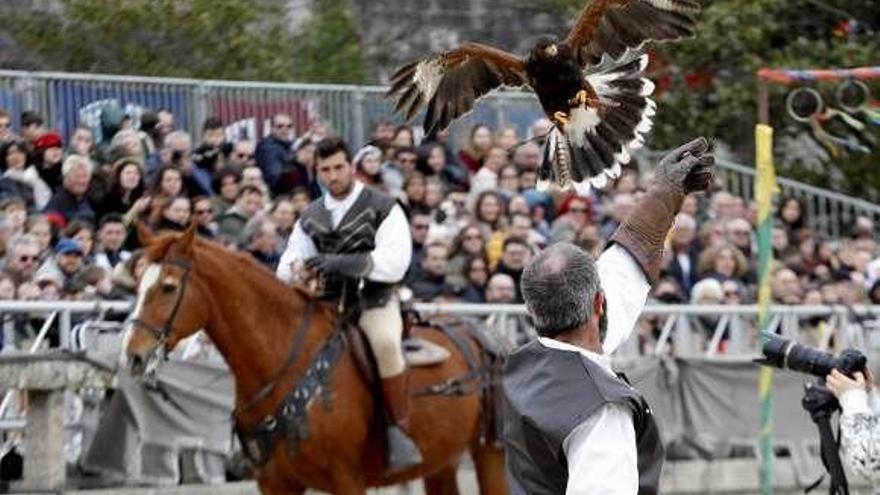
(67, 99)
(826, 211)
(683, 330)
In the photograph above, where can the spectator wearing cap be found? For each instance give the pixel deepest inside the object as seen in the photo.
(111, 236)
(72, 202)
(48, 155)
(19, 179)
(260, 239)
(251, 201)
(22, 258)
(66, 263)
(31, 125)
(368, 166)
(275, 152)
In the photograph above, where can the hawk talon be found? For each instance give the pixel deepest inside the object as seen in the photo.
(561, 118)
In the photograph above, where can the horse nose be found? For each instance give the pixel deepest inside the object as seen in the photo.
(138, 365)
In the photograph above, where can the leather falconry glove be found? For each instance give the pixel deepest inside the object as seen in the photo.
(685, 170)
(348, 265)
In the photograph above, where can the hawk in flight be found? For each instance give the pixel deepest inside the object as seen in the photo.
(590, 85)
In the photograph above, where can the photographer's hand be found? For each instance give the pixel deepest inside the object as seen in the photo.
(839, 384)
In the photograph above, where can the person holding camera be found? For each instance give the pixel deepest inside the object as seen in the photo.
(859, 422)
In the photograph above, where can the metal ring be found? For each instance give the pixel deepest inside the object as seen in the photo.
(801, 93)
(864, 93)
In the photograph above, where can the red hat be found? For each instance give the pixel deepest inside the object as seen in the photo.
(48, 140)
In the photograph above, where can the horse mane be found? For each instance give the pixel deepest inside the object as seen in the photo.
(245, 267)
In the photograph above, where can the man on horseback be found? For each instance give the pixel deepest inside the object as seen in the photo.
(570, 424)
(355, 242)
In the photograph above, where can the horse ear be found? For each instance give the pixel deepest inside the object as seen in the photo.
(188, 238)
(144, 234)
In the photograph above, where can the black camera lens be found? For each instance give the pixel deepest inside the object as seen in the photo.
(787, 354)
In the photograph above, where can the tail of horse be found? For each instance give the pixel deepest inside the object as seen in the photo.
(593, 145)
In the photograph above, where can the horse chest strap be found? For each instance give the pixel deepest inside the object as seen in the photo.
(291, 417)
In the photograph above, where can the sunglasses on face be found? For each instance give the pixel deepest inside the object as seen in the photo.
(244, 156)
(283, 126)
(26, 259)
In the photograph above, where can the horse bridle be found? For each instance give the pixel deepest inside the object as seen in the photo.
(161, 333)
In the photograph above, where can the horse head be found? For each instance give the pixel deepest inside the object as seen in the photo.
(170, 302)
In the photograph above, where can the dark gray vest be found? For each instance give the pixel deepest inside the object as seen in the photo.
(356, 233)
(547, 394)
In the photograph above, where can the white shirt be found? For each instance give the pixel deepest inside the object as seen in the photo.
(601, 451)
(391, 257)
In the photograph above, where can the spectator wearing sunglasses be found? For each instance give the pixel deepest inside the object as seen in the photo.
(275, 152)
(22, 258)
(243, 154)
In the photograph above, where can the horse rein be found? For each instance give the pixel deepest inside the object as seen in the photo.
(299, 340)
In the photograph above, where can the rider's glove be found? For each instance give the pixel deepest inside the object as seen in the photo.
(348, 265)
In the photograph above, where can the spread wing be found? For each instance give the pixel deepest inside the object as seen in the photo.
(450, 83)
(612, 26)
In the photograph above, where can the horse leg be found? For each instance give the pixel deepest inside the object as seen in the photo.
(443, 482)
(489, 461)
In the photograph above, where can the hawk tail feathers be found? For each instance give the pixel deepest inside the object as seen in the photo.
(598, 141)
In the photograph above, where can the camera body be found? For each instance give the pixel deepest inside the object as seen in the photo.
(787, 354)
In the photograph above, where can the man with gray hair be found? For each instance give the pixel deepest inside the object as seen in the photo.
(570, 424)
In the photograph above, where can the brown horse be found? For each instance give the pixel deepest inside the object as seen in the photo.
(256, 321)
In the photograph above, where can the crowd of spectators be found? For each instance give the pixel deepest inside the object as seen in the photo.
(67, 211)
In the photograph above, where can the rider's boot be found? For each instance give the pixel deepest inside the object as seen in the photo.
(403, 453)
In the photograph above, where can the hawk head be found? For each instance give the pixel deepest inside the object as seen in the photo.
(546, 48)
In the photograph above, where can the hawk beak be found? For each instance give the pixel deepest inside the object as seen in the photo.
(551, 50)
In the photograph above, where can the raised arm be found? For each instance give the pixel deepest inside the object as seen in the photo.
(629, 267)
